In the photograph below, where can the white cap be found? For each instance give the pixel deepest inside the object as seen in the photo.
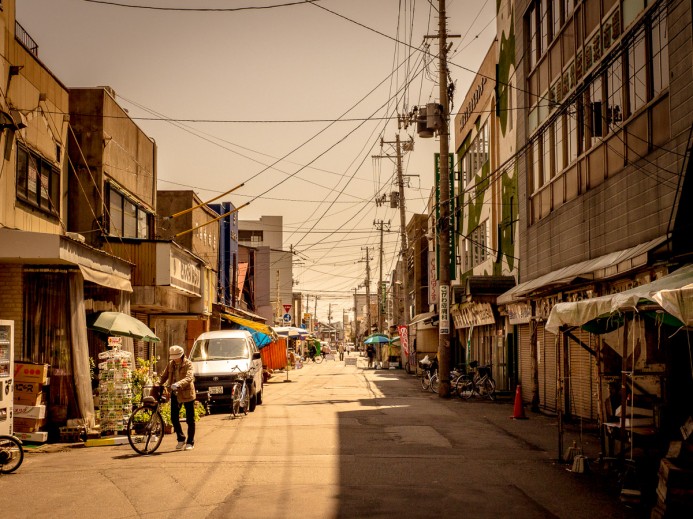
(175, 352)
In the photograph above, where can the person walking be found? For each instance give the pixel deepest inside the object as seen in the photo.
(179, 374)
(370, 352)
(341, 351)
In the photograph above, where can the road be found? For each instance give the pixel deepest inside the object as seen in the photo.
(336, 441)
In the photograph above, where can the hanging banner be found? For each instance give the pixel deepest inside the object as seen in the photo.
(444, 310)
(403, 331)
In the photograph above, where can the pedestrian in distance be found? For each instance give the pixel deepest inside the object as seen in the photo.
(179, 374)
(370, 352)
(341, 351)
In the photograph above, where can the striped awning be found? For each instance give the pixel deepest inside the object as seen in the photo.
(254, 325)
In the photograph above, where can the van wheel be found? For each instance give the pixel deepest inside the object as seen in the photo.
(253, 403)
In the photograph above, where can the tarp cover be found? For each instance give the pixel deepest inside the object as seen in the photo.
(674, 293)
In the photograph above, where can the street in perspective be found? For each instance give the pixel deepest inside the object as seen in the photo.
(335, 259)
(334, 439)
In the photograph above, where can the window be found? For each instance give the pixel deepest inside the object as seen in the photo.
(38, 181)
(637, 75)
(532, 35)
(126, 218)
(477, 154)
(660, 57)
(614, 87)
(476, 246)
(559, 160)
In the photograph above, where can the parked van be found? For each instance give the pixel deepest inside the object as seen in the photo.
(218, 357)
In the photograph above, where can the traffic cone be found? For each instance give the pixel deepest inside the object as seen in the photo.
(519, 411)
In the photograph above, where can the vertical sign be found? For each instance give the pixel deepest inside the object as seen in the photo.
(451, 223)
(432, 278)
(444, 310)
(404, 338)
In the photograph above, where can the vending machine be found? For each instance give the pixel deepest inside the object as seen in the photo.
(6, 375)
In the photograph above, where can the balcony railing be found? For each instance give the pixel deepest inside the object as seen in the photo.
(23, 37)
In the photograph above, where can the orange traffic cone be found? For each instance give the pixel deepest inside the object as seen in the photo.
(519, 411)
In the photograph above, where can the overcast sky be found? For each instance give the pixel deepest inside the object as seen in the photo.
(252, 95)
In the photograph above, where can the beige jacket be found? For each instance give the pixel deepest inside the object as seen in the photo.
(183, 376)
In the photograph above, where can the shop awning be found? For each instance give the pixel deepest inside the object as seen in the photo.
(428, 316)
(674, 293)
(254, 325)
(34, 248)
(609, 265)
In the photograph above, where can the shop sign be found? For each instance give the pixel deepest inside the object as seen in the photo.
(519, 313)
(473, 314)
(184, 273)
(404, 338)
(432, 278)
(545, 305)
(444, 310)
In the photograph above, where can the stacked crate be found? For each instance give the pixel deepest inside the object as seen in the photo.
(30, 384)
(675, 485)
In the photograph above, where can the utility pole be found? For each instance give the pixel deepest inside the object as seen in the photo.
(380, 225)
(329, 319)
(279, 302)
(399, 148)
(368, 291)
(315, 315)
(444, 223)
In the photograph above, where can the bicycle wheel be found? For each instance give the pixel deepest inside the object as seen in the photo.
(145, 430)
(465, 388)
(245, 399)
(426, 380)
(435, 383)
(236, 400)
(490, 388)
(318, 359)
(11, 454)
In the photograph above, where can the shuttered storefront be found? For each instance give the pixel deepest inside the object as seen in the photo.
(583, 377)
(546, 349)
(524, 353)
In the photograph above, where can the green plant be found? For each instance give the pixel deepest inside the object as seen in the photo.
(165, 410)
(141, 376)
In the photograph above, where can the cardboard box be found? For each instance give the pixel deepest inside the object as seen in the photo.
(36, 437)
(28, 425)
(24, 372)
(28, 399)
(30, 411)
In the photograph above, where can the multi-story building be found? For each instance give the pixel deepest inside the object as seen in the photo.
(273, 274)
(602, 154)
(51, 278)
(486, 211)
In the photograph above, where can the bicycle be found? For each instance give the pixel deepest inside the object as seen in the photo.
(145, 428)
(455, 376)
(240, 393)
(429, 373)
(317, 358)
(11, 454)
(478, 382)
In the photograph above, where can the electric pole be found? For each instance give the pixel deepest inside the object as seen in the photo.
(380, 225)
(279, 302)
(368, 292)
(444, 223)
(399, 148)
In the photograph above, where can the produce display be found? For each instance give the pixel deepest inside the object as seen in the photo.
(115, 390)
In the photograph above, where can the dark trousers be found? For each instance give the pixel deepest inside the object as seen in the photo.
(189, 419)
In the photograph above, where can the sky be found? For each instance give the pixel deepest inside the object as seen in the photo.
(287, 97)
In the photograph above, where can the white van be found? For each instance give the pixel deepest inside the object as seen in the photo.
(218, 357)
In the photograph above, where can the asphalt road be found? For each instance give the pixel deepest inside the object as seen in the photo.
(336, 441)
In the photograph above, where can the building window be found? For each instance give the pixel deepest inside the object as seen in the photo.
(126, 219)
(476, 246)
(250, 236)
(38, 181)
(637, 75)
(477, 154)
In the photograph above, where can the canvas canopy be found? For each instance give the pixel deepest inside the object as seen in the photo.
(673, 293)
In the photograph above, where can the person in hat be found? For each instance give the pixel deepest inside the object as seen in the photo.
(179, 374)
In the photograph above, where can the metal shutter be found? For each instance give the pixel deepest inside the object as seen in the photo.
(524, 353)
(546, 348)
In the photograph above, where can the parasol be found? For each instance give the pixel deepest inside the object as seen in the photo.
(122, 325)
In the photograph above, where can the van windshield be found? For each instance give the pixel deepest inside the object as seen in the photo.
(220, 349)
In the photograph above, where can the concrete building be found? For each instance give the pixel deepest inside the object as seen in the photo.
(603, 182)
(273, 272)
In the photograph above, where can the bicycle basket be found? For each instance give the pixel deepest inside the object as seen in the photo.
(158, 393)
(473, 364)
(485, 371)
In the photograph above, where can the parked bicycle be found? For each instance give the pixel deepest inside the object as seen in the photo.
(11, 454)
(429, 372)
(478, 382)
(455, 376)
(240, 392)
(317, 358)
(145, 428)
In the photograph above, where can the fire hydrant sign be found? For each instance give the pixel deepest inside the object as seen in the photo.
(444, 310)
